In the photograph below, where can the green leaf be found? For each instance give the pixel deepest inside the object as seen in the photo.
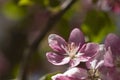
(42, 3)
(72, 11)
(25, 2)
(48, 76)
(13, 11)
(97, 25)
(54, 3)
(63, 28)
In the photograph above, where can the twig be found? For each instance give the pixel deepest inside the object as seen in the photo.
(29, 52)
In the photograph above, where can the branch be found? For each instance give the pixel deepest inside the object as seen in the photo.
(51, 22)
(30, 51)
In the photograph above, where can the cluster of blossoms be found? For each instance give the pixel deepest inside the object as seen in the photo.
(87, 61)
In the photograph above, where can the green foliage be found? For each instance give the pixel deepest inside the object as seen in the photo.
(54, 3)
(15, 71)
(48, 3)
(48, 76)
(42, 3)
(64, 28)
(96, 25)
(70, 13)
(25, 2)
(13, 11)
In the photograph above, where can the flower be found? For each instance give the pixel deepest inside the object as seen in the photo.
(111, 68)
(108, 54)
(112, 43)
(98, 60)
(72, 74)
(104, 5)
(102, 59)
(107, 5)
(73, 52)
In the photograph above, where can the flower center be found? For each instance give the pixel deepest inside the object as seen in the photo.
(71, 49)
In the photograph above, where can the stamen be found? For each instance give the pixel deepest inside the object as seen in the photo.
(71, 49)
(65, 48)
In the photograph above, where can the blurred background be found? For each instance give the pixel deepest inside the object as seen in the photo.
(26, 24)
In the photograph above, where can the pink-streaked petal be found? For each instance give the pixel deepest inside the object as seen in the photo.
(84, 59)
(113, 41)
(91, 64)
(99, 64)
(94, 64)
(60, 77)
(55, 42)
(74, 62)
(77, 73)
(72, 74)
(108, 60)
(57, 59)
(89, 49)
(77, 37)
(98, 60)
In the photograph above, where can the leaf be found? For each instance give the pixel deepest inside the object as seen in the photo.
(63, 28)
(13, 11)
(70, 13)
(42, 3)
(54, 3)
(97, 25)
(48, 76)
(25, 2)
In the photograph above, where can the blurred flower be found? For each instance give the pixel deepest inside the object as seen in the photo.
(109, 73)
(104, 5)
(72, 74)
(112, 45)
(116, 7)
(73, 52)
(107, 5)
(111, 68)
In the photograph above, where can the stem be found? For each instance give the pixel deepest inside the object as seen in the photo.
(32, 48)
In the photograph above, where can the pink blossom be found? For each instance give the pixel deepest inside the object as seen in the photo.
(104, 5)
(72, 74)
(111, 68)
(108, 53)
(73, 52)
(112, 43)
(98, 60)
(102, 58)
(107, 5)
(116, 6)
